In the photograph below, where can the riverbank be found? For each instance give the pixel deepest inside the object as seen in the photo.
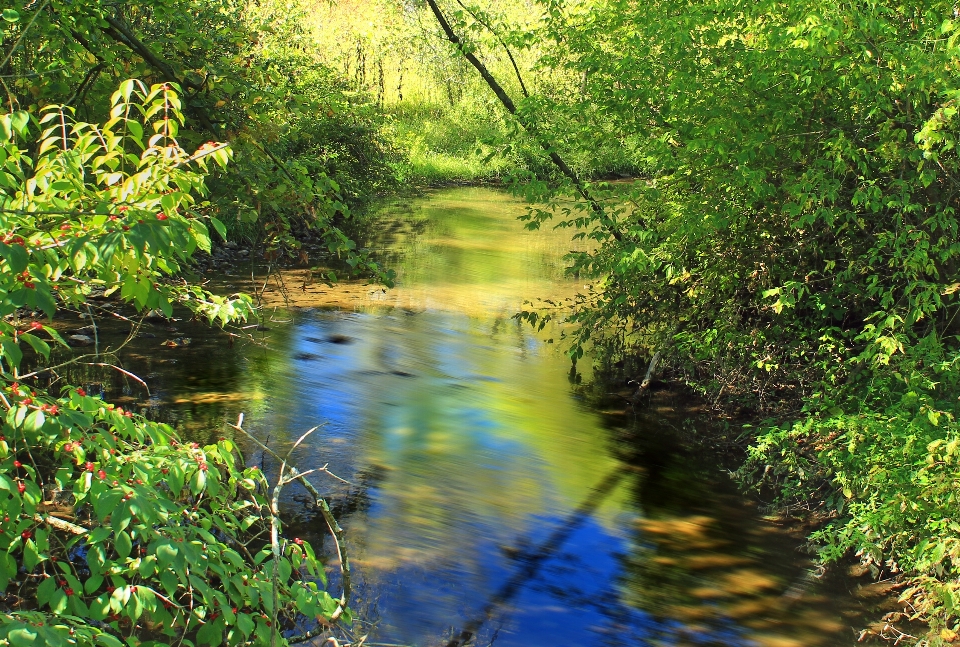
(729, 440)
(902, 604)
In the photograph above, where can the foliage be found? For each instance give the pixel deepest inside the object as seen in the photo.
(165, 538)
(306, 149)
(793, 247)
(889, 482)
(438, 114)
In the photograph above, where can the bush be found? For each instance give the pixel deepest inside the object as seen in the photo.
(165, 540)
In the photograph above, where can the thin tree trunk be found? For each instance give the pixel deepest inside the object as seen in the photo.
(526, 123)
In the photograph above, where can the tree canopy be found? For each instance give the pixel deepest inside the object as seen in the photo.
(791, 246)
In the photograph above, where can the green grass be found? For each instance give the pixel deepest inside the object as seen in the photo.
(471, 142)
(441, 142)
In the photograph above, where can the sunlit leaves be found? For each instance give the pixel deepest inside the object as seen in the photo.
(134, 224)
(98, 207)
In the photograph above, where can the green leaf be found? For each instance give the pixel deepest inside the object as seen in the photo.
(30, 556)
(34, 421)
(23, 636)
(15, 255)
(11, 15)
(170, 582)
(107, 640)
(175, 480)
(123, 544)
(11, 353)
(198, 482)
(45, 590)
(245, 623)
(38, 345)
(92, 585)
(284, 569)
(135, 128)
(211, 633)
(100, 607)
(20, 121)
(58, 601)
(219, 227)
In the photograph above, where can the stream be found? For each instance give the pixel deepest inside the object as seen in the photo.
(489, 500)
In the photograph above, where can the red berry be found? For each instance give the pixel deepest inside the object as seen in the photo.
(29, 285)
(26, 534)
(89, 466)
(68, 591)
(81, 392)
(161, 216)
(203, 467)
(27, 401)
(17, 464)
(21, 487)
(101, 474)
(36, 325)
(298, 541)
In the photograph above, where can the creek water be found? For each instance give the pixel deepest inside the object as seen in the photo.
(490, 501)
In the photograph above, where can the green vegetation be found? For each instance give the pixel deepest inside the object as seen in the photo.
(439, 114)
(307, 150)
(166, 540)
(793, 248)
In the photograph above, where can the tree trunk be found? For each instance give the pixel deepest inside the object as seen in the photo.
(527, 124)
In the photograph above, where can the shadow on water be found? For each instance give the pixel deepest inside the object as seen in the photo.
(531, 561)
(488, 502)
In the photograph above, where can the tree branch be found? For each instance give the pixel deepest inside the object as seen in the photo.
(527, 124)
(516, 68)
(121, 33)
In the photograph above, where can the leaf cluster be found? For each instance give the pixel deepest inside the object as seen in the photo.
(112, 530)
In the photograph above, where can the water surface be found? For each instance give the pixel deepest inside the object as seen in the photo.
(490, 501)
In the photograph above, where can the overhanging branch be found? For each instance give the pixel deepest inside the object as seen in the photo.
(121, 33)
(527, 124)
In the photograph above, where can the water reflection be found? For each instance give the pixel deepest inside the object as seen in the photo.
(488, 503)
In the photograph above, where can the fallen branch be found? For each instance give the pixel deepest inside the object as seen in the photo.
(650, 369)
(60, 524)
